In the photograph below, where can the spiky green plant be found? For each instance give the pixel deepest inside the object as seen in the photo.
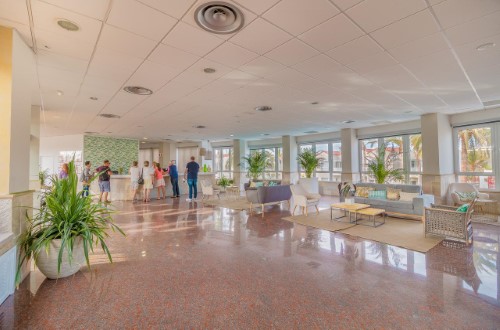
(42, 176)
(380, 167)
(309, 161)
(256, 163)
(66, 215)
(224, 182)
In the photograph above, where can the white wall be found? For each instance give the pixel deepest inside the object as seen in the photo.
(475, 117)
(51, 146)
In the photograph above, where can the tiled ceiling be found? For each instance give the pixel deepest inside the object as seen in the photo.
(367, 61)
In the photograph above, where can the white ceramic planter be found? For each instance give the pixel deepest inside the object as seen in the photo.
(311, 185)
(47, 262)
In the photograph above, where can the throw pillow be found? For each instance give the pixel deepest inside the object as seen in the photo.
(272, 183)
(363, 191)
(377, 194)
(466, 197)
(259, 184)
(265, 183)
(407, 197)
(393, 194)
(464, 208)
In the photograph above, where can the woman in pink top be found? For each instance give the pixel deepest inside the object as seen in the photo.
(160, 182)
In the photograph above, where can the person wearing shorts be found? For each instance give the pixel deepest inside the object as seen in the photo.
(134, 180)
(104, 181)
(160, 182)
(148, 175)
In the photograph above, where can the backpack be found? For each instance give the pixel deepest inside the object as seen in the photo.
(104, 176)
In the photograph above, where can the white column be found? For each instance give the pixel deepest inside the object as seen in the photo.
(240, 150)
(35, 147)
(350, 155)
(290, 150)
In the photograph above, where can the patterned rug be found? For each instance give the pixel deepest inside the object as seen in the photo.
(320, 221)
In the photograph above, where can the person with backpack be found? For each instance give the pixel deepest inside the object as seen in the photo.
(85, 178)
(104, 181)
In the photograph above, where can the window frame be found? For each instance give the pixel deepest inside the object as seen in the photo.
(226, 173)
(278, 173)
(330, 171)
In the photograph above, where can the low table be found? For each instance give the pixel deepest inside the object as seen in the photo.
(347, 208)
(371, 212)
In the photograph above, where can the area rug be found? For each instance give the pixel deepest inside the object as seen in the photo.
(321, 221)
(407, 234)
(234, 204)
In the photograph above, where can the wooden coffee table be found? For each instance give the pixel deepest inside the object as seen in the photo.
(347, 208)
(371, 212)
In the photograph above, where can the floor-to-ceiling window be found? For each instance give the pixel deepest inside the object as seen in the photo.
(223, 163)
(401, 152)
(329, 152)
(274, 169)
(476, 161)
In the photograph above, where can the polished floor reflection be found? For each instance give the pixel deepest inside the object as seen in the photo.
(188, 266)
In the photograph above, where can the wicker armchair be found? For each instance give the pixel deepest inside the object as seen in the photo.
(445, 221)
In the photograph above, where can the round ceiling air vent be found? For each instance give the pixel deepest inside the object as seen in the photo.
(264, 108)
(219, 17)
(67, 25)
(109, 115)
(199, 126)
(138, 90)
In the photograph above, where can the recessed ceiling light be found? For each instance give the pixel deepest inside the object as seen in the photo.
(209, 70)
(109, 115)
(145, 138)
(67, 25)
(315, 102)
(348, 121)
(219, 17)
(60, 93)
(89, 132)
(143, 142)
(138, 90)
(46, 47)
(485, 46)
(93, 98)
(231, 135)
(264, 108)
(199, 126)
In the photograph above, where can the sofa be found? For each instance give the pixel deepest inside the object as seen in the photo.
(415, 207)
(268, 195)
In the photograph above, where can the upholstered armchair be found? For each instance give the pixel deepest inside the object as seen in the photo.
(208, 190)
(302, 199)
(457, 189)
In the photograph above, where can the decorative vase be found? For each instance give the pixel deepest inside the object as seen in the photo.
(47, 261)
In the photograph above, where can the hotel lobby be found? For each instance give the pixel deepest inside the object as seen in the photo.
(396, 225)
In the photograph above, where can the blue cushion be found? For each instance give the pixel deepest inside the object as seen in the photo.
(377, 194)
(259, 184)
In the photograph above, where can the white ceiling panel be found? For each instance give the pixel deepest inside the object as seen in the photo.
(64, 45)
(262, 67)
(374, 14)
(122, 103)
(57, 79)
(387, 74)
(100, 86)
(138, 18)
(473, 59)
(231, 55)
(287, 76)
(455, 12)
(92, 8)
(45, 17)
(238, 77)
(372, 63)
(192, 39)
(62, 62)
(323, 38)
(260, 37)
(257, 6)
(306, 84)
(113, 64)
(408, 29)
(481, 28)
(298, 16)
(125, 42)
(173, 57)
(195, 76)
(355, 50)
(420, 47)
(174, 8)
(15, 11)
(151, 75)
(23, 30)
(486, 82)
(345, 4)
(292, 52)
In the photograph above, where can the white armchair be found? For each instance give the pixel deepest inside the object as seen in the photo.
(302, 199)
(456, 188)
(208, 190)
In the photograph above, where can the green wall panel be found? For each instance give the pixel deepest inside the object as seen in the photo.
(120, 152)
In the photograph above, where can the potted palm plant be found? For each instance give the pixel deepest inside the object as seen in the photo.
(256, 163)
(309, 162)
(60, 236)
(224, 182)
(380, 167)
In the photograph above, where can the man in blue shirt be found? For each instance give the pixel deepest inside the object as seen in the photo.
(174, 178)
(191, 173)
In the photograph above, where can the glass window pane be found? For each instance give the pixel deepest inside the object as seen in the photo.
(226, 159)
(271, 159)
(323, 176)
(322, 153)
(369, 150)
(280, 159)
(416, 153)
(481, 182)
(394, 152)
(217, 160)
(475, 150)
(337, 157)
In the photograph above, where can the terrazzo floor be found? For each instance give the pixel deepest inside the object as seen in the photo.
(193, 267)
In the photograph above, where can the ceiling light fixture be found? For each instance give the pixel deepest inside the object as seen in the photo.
(231, 135)
(348, 121)
(109, 116)
(67, 25)
(219, 17)
(93, 98)
(315, 102)
(145, 138)
(264, 108)
(60, 93)
(209, 70)
(485, 46)
(199, 126)
(138, 90)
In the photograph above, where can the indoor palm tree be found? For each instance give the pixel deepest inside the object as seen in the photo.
(256, 163)
(309, 161)
(380, 167)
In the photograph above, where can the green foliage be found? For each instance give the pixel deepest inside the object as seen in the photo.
(42, 176)
(224, 182)
(66, 215)
(309, 161)
(380, 167)
(256, 163)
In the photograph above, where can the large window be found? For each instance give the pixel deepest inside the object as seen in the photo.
(223, 162)
(401, 152)
(331, 160)
(275, 168)
(475, 157)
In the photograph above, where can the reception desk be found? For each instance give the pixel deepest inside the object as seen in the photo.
(120, 186)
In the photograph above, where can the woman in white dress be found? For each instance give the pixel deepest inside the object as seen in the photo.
(134, 180)
(148, 174)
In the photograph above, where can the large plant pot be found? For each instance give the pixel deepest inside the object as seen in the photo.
(311, 185)
(47, 262)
